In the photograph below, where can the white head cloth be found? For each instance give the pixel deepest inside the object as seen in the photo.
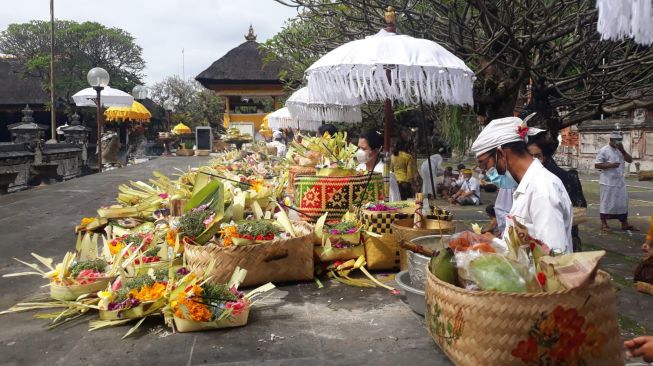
(277, 134)
(502, 131)
(616, 135)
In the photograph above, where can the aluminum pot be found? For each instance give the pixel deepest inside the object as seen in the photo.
(414, 296)
(417, 262)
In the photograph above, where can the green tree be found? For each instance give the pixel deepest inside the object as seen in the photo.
(78, 48)
(193, 104)
(550, 45)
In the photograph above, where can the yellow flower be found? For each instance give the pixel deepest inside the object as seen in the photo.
(86, 220)
(115, 246)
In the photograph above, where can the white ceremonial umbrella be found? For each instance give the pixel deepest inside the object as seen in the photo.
(303, 107)
(281, 118)
(390, 67)
(110, 97)
(619, 19)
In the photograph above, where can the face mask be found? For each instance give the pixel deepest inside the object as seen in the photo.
(362, 156)
(504, 181)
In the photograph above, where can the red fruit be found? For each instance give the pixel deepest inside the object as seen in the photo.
(259, 237)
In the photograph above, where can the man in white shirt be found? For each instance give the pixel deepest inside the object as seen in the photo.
(614, 197)
(278, 143)
(540, 200)
(469, 192)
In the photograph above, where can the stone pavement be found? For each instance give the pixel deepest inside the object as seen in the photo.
(296, 324)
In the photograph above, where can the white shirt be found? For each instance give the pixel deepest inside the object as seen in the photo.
(615, 176)
(394, 186)
(425, 173)
(472, 185)
(542, 204)
(281, 147)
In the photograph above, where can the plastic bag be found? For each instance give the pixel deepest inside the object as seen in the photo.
(468, 240)
(494, 272)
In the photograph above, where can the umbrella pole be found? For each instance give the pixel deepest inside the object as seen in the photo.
(428, 145)
(388, 115)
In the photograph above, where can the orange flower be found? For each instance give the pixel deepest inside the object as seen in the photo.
(526, 350)
(195, 310)
(171, 237)
(257, 185)
(227, 233)
(149, 293)
(548, 326)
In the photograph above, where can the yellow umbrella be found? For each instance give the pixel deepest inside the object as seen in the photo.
(136, 113)
(181, 129)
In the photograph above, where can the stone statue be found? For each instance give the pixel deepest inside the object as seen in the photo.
(110, 148)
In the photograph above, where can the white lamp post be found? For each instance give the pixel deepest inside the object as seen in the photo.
(139, 92)
(98, 78)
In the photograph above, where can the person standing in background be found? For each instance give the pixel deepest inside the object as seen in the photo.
(541, 147)
(611, 160)
(278, 143)
(425, 173)
(402, 164)
(370, 145)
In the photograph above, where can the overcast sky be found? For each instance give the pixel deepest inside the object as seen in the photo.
(204, 29)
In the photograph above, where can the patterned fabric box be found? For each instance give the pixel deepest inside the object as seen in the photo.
(336, 195)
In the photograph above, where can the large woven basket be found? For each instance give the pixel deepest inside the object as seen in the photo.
(336, 195)
(572, 327)
(278, 261)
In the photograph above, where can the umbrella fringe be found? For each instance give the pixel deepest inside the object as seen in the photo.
(333, 113)
(369, 84)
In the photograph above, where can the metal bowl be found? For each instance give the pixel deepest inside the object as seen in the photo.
(433, 242)
(415, 297)
(417, 262)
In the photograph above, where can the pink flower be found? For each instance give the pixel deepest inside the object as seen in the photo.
(117, 284)
(87, 276)
(163, 195)
(207, 221)
(237, 307)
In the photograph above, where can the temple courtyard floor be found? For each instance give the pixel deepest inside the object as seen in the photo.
(297, 324)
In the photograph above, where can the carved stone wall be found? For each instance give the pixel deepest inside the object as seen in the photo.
(16, 158)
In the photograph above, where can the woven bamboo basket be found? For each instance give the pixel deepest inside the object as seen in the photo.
(380, 222)
(336, 195)
(278, 261)
(500, 328)
(184, 325)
